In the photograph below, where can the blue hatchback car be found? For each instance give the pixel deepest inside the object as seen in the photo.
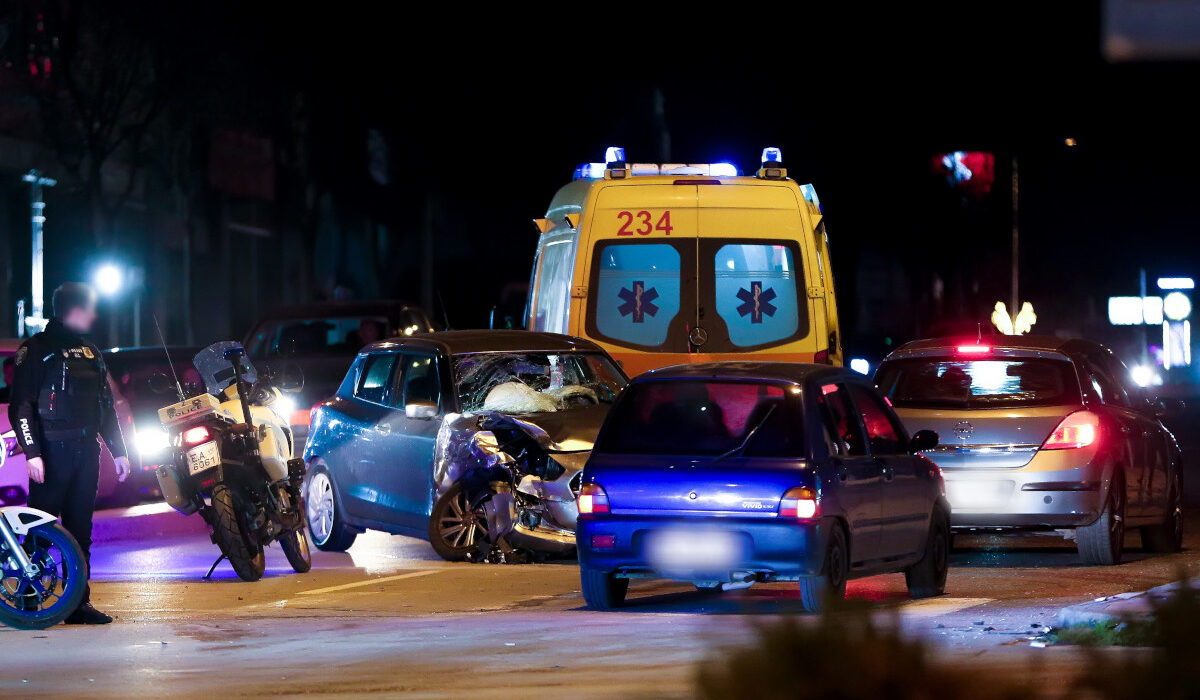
(727, 474)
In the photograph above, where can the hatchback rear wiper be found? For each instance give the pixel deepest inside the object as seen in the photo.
(746, 440)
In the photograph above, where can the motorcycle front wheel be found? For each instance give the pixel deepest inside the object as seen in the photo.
(230, 530)
(46, 600)
(295, 548)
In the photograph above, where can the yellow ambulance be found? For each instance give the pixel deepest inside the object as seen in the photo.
(664, 264)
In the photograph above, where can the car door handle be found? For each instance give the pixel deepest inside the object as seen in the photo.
(887, 472)
(384, 428)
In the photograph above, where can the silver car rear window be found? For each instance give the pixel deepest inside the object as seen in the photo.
(932, 382)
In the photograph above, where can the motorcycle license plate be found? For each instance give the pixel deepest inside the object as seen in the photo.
(205, 456)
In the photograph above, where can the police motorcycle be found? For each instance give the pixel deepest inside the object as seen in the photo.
(230, 461)
(43, 573)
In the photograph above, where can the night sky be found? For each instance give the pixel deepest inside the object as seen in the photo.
(490, 121)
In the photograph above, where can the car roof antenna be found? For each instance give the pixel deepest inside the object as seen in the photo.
(978, 334)
(161, 339)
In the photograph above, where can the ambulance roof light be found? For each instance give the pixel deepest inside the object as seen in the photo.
(772, 164)
(723, 170)
(614, 154)
(590, 171)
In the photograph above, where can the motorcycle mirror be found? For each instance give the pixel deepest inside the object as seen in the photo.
(291, 378)
(160, 383)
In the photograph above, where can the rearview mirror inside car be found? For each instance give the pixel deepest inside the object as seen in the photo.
(923, 440)
(420, 410)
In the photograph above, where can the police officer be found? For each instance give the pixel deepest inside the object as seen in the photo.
(60, 403)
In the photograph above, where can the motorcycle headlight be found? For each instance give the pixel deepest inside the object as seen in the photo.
(283, 407)
(151, 441)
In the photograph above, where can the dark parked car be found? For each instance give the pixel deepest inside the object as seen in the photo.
(1043, 433)
(322, 339)
(473, 439)
(131, 370)
(728, 474)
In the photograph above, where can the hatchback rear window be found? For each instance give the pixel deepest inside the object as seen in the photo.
(702, 418)
(984, 383)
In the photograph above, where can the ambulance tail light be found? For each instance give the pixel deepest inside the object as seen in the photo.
(592, 499)
(1080, 429)
(821, 357)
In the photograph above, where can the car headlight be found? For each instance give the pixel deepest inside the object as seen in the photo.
(283, 407)
(151, 441)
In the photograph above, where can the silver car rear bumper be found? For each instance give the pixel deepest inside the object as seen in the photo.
(1055, 489)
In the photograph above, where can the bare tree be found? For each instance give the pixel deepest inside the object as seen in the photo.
(107, 86)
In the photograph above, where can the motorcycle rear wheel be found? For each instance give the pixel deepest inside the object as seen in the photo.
(295, 548)
(230, 529)
(66, 574)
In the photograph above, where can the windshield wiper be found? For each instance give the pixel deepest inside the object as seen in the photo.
(746, 440)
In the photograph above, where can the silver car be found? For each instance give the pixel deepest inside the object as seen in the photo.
(1042, 433)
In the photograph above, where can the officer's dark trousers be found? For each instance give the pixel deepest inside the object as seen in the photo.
(69, 491)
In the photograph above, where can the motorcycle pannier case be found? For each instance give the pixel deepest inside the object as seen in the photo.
(175, 489)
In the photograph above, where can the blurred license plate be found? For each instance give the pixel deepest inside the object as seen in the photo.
(205, 456)
(691, 551)
(978, 494)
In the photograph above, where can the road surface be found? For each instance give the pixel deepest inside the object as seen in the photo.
(390, 618)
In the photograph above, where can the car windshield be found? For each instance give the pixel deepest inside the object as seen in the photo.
(984, 383)
(341, 335)
(535, 382)
(703, 418)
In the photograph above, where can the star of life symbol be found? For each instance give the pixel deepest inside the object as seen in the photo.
(756, 301)
(639, 301)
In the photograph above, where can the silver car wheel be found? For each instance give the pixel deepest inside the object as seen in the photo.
(461, 527)
(320, 507)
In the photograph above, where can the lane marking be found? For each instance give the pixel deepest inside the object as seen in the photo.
(940, 606)
(369, 582)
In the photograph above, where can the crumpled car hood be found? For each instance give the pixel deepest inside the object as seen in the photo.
(457, 450)
(569, 430)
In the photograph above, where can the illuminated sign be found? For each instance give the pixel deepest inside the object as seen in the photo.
(1176, 283)
(1176, 306)
(1007, 325)
(1134, 311)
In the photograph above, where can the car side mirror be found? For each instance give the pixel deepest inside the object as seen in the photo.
(420, 410)
(1162, 408)
(922, 441)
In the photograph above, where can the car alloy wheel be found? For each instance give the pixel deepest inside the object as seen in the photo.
(460, 527)
(320, 507)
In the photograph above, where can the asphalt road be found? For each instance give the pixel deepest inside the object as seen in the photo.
(390, 618)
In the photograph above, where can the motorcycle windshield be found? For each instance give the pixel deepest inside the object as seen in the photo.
(217, 370)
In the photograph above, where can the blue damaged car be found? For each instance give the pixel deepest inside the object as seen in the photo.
(728, 474)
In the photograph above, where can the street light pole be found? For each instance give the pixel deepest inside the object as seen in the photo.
(1016, 260)
(36, 319)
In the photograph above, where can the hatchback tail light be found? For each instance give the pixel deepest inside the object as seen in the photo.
(196, 436)
(799, 502)
(592, 499)
(1079, 429)
(974, 349)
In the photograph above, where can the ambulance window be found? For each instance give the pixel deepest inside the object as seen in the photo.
(756, 290)
(552, 290)
(637, 292)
